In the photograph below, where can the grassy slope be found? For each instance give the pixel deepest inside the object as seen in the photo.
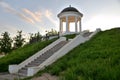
(71, 36)
(19, 55)
(97, 59)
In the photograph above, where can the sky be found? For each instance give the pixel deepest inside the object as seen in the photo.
(32, 16)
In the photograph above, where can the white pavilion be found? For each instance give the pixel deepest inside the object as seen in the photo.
(67, 16)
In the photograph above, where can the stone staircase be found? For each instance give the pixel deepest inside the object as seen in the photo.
(40, 59)
(87, 34)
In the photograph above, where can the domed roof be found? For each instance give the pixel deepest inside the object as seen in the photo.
(69, 9)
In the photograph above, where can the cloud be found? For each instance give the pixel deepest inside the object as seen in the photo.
(49, 15)
(30, 16)
(35, 16)
(103, 21)
(11, 10)
(10, 29)
(7, 7)
(22, 16)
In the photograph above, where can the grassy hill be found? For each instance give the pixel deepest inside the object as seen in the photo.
(19, 55)
(97, 59)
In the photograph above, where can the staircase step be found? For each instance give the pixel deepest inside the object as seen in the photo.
(87, 34)
(23, 70)
(42, 58)
(34, 64)
(39, 60)
(22, 74)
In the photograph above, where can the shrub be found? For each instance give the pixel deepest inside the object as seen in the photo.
(20, 54)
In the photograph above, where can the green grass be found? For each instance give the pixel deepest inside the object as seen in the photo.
(97, 59)
(19, 55)
(71, 36)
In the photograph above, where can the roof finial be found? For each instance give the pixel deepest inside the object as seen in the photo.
(69, 5)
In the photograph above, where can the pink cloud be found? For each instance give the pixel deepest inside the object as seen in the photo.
(49, 15)
(11, 10)
(36, 16)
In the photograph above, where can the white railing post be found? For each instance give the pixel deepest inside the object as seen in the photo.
(13, 69)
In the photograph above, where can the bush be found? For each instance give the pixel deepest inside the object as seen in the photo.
(20, 54)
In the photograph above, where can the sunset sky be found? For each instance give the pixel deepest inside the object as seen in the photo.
(32, 16)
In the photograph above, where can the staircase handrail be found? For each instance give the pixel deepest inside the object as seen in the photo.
(15, 68)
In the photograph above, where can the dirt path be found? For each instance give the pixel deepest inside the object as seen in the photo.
(46, 76)
(7, 76)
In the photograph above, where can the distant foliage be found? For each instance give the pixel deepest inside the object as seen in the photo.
(52, 32)
(18, 55)
(5, 43)
(35, 37)
(19, 40)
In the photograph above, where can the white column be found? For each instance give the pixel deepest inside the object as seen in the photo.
(76, 24)
(80, 26)
(67, 24)
(61, 26)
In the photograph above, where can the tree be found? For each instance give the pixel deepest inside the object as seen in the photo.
(38, 36)
(5, 43)
(19, 40)
(52, 32)
(0, 45)
(35, 37)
